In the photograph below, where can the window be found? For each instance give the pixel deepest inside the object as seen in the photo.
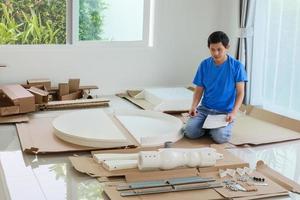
(32, 22)
(73, 21)
(111, 20)
(276, 66)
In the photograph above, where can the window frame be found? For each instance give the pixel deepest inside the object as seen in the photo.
(147, 38)
(72, 25)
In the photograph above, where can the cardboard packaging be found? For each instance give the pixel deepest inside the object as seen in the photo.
(41, 96)
(63, 89)
(89, 166)
(277, 185)
(36, 136)
(14, 119)
(74, 85)
(72, 96)
(15, 99)
(257, 126)
(132, 97)
(37, 82)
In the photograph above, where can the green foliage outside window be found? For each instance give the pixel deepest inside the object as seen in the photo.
(91, 19)
(32, 22)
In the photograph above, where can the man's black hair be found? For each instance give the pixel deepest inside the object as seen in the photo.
(216, 37)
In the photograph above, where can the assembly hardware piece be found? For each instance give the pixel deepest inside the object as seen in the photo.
(176, 188)
(258, 179)
(161, 183)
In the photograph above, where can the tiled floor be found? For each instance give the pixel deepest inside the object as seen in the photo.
(51, 176)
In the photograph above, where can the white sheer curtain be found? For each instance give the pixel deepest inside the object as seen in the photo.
(276, 57)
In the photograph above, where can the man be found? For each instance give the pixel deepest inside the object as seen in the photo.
(220, 79)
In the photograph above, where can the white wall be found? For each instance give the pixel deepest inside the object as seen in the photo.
(181, 30)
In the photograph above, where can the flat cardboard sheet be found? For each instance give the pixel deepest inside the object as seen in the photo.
(89, 166)
(256, 127)
(142, 103)
(37, 136)
(259, 126)
(277, 177)
(14, 119)
(273, 189)
(206, 194)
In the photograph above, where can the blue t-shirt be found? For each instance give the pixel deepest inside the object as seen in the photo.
(219, 82)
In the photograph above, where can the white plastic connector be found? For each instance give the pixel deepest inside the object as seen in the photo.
(99, 158)
(112, 165)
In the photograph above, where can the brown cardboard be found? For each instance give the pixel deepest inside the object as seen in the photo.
(259, 126)
(263, 196)
(78, 103)
(41, 96)
(273, 118)
(85, 87)
(9, 110)
(13, 96)
(207, 194)
(142, 103)
(272, 190)
(84, 164)
(37, 136)
(162, 174)
(71, 96)
(277, 177)
(36, 82)
(74, 85)
(63, 89)
(138, 102)
(14, 119)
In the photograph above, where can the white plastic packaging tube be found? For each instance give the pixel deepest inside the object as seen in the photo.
(170, 158)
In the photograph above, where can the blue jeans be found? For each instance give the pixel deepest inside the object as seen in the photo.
(194, 130)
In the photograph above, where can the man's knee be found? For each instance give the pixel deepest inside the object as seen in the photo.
(220, 135)
(192, 132)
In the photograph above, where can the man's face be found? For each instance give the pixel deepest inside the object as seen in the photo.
(218, 51)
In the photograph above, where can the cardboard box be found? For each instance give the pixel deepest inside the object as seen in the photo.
(15, 99)
(74, 85)
(72, 96)
(41, 96)
(37, 82)
(63, 89)
(257, 126)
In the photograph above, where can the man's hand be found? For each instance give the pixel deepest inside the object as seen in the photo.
(192, 112)
(230, 117)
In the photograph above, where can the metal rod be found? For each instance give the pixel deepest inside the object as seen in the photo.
(161, 183)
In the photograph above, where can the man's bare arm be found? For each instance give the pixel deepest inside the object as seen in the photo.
(196, 99)
(238, 101)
